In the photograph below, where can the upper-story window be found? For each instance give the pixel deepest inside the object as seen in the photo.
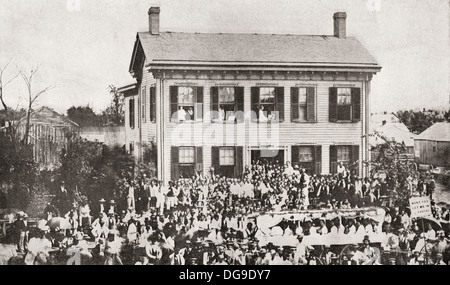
(345, 104)
(303, 104)
(268, 104)
(186, 103)
(227, 104)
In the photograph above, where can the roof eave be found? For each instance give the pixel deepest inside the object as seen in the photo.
(279, 66)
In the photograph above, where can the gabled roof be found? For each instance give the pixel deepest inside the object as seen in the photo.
(437, 132)
(252, 49)
(48, 116)
(398, 131)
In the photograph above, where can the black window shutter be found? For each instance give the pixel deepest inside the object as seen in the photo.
(332, 104)
(175, 163)
(199, 111)
(199, 158)
(333, 159)
(214, 103)
(132, 113)
(311, 104)
(215, 159)
(152, 104)
(318, 159)
(255, 103)
(294, 155)
(356, 104)
(173, 103)
(355, 157)
(280, 102)
(239, 104)
(239, 161)
(294, 103)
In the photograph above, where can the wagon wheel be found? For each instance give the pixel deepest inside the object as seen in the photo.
(348, 248)
(427, 251)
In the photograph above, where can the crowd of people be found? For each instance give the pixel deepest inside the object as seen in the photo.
(211, 220)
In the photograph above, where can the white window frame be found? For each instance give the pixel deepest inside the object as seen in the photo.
(182, 155)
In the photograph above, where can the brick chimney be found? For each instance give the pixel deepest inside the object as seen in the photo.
(339, 25)
(153, 20)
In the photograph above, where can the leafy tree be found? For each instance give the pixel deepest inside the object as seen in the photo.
(392, 160)
(18, 171)
(115, 113)
(92, 171)
(418, 122)
(85, 116)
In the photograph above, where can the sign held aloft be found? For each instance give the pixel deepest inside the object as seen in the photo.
(420, 207)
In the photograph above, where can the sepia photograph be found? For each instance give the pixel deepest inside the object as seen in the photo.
(213, 132)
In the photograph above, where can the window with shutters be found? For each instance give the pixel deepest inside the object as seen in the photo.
(227, 104)
(144, 103)
(186, 155)
(308, 157)
(303, 106)
(131, 113)
(344, 104)
(186, 103)
(226, 156)
(268, 104)
(305, 154)
(344, 154)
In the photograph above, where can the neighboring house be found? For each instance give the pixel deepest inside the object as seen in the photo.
(48, 131)
(225, 100)
(111, 136)
(381, 119)
(390, 127)
(432, 146)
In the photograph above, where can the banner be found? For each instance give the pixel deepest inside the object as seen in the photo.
(420, 207)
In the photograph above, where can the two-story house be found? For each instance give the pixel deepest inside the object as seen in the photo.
(221, 100)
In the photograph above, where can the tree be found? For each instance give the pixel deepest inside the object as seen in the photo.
(6, 110)
(32, 97)
(85, 116)
(92, 170)
(392, 160)
(418, 122)
(18, 171)
(115, 113)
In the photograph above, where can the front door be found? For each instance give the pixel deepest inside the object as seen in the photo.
(273, 156)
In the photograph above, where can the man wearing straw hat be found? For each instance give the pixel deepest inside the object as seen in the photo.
(301, 251)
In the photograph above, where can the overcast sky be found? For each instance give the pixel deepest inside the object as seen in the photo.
(82, 52)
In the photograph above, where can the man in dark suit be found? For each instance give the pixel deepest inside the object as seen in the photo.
(20, 227)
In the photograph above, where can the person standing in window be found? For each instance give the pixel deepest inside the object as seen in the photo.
(181, 114)
(262, 117)
(190, 114)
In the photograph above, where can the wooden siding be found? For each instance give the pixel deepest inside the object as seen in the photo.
(143, 132)
(432, 152)
(322, 132)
